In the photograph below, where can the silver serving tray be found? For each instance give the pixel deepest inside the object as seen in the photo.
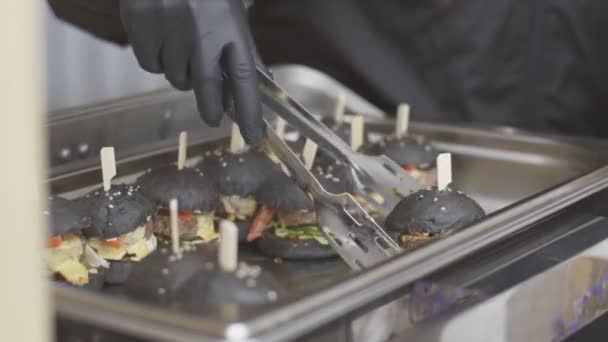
(521, 178)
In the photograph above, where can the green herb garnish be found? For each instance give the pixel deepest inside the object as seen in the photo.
(398, 193)
(190, 238)
(301, 233)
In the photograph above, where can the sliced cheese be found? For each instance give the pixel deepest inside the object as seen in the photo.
(138, 250)
(71, 248)
(135, 236)
(241, 208)
(206, 228)
(134, 244)
(73, 272)
(107, 252)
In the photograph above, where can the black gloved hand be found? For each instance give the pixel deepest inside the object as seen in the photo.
(193, 42)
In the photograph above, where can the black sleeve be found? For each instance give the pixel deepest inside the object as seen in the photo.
(98, 17)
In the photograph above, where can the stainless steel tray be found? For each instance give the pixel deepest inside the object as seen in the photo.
(496, 169)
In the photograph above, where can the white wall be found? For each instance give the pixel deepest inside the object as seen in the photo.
(81, 69)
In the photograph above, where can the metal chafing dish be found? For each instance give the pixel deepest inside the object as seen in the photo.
(531, 184)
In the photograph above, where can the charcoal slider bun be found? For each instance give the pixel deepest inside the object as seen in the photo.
(429, 214)
(197, 199)
(159, 278)
(192, 189)
(248, 286)
(407, 151)
(286, 224)
(193, 281)
(66, 255)
(237, 176)
(118, 231)
(273, 246)
(283, 194)
(118, 211)
(413, 153)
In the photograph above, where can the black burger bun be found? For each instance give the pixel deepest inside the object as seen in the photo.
(433, 212)
(282, 193)
(118, 211)
(308, 249)
(193, 190)
(248, 286)
(239, 174)
(161, 276)
(410, 150)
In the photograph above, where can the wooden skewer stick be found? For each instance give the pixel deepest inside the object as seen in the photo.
(403, 120)
(280, 127)
(285, 169)
(237, 143)
(108, 167)
(339, 108)
(309, 153)
(174, 226)
(357, 129)
(275, 159)
(444, 171)
(228, 246)
(181, 153)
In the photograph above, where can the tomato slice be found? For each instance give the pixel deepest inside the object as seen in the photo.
(261, 220)
(55, 241)
(116, 242)
(184, 215)
(408, 168)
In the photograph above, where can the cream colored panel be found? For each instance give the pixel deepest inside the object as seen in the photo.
(24, 313)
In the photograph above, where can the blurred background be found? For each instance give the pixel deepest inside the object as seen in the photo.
(81, 69)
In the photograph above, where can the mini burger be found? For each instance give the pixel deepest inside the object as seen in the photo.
(159, 278)
(285, 224)
(118, 228)
(67, 255)
(237, 177)
(429, 214)
(196, 196)
(248, 286)
(177, 281)
(413, 153)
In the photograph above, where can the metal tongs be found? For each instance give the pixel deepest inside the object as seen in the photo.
(357, 237)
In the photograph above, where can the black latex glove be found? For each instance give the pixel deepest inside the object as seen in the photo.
(195, 42)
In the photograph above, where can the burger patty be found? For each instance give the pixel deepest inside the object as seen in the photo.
(415, 240)
(297, 218)
(161, 224)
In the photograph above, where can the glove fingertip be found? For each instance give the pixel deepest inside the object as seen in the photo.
(210, 120)
(253, 134)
